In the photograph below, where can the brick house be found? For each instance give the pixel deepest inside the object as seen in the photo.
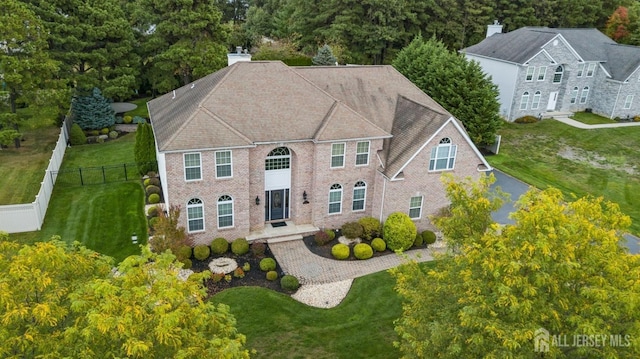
(258, 143)
(539, 69)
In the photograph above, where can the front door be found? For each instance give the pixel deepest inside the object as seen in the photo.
(277, 206)
(553, 98)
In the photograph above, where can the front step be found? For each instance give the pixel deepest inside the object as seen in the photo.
(294, 237)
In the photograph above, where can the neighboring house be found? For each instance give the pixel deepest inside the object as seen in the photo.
(539, 69)
(261, 142)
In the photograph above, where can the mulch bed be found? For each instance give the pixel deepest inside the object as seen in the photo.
(325, 250)
(254, 277)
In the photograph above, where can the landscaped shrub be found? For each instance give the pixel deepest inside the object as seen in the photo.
(526, 119)
(340, 251)
(352, 230)
(153, 221)
(94, 132)
(378, 244)
(152, 181)
(258, 249)
(267, 264)
(246, 266)
(321, 238)
(146, 182)
(330, 233)
(219, 246)
(77, 136)
(119, 119)
(154, 198)
(371, 228)
(399, 231)
(186, 263)
(139, 120)
(418, 241)
(362, 251)
(152, 189)
(90, 110)
(636, 118)
(240, 246)
(113, 134)
(238, 273)
(289, 282)
(127, 119)
(201, 252)
(272, 275)
(104, 131)
(184, 252)
(429, 237)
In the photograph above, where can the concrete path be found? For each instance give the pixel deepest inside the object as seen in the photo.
(296, 259)
(584, 126)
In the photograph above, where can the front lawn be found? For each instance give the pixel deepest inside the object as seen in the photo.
(591, 118)
(277, 326)
(601, 162)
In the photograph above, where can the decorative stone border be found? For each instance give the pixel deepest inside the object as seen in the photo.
(223, 265)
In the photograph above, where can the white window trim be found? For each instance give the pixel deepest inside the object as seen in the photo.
(419, 208)
(201, 205)
(581, 69)
(434, 156)
(344, 151)
(542, 71)
(584, 97)
(531, 71)
(364, 199)
(556, 72)
(332, 190)
(367, 153)
(524, 104)
(184, 166)
(591, 69)
(535, 104)
(574, 95)
(230, 164)
(233, 220)
(628, 102)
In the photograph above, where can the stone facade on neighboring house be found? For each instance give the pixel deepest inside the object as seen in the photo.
(539, 69)
(260, 142)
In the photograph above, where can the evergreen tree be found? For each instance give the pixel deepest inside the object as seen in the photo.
(92, 111)
(324, 57)
(144, 149)
(467, 93)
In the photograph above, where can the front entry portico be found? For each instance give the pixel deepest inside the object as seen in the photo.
(277, 184)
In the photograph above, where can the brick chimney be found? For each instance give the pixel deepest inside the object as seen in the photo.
(495, 28)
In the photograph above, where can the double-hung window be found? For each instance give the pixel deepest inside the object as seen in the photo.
(362, 153)
(195, 215)
(591, 69)
(530, 71)
(223, 164)
(574, 95)
(584, 95)
(557, 75)
(192, 167)
(542, 73)
(415, 207)
(628, 101)
(359, 195)
(337, 155)
(443, 156)
(581, 70)
(225, 211)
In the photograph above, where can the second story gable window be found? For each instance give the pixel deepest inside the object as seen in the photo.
(362, 153)
(192, 167)
(530, 71)
(557, 75)
(223, 164)
(337, 155)
(591, 69)
(443, 157)
(542, 73)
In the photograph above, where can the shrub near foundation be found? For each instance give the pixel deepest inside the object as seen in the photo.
(267, 264)
(201, 252)
(240, 246)
(340, 251)
(399, 231)
(362, 251)
(378, 244)
(219, 246)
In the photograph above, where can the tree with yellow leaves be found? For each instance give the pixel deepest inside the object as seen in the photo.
(558, 274)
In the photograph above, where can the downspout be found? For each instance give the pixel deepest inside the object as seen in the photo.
(384, 190)
(613, 110)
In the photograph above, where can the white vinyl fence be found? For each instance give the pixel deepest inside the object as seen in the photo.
(15, 218)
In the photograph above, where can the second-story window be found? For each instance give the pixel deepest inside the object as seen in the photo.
(223, 164)
(591, 69)
(530, 71)
(337, 155)
(557, 75)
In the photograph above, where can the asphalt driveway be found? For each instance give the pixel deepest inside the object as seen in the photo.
(515, 188)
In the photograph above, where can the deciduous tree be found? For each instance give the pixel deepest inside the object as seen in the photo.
(559, 267)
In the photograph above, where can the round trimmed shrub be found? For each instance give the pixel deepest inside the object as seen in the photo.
(139, 120)
(321, 238)
(240, 246)
(378, 244)
(526, 119)
(219, 246)
(289, 282)
(258, 249)
(362, 251)
(267, 264)
(352, 230)
(184, 252)
(94, 132)
(152, 189)
(399, 231)
(127, 119)
(331, 234)
(146, 182)
(201, 252)
(153, 221)
(272, 275)
(152, 211)
(340, 251)
(186, 263)
(418, 241)
(113, 134)
(76, 135)
(154, 198)
(153, 180)
(104, 131)
(371, 228)
(429, 237)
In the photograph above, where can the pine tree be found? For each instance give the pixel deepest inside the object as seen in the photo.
(144, 149)
(324, 57)
(92, 111)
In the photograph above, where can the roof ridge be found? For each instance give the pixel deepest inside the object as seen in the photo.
(325, 120)
(225, 124)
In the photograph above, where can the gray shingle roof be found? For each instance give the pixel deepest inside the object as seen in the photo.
(591, 45)
(253, 102)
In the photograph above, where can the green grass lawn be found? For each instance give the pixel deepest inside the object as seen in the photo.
(101, 217)
(141, 110)
(591, 118)
(277, 326)
(600, 162)
(22, 169)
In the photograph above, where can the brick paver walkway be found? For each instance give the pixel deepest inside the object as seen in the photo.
(296, 259)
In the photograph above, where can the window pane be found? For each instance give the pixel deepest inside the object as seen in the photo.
(335, 196)
(224, 208)
(223, 157)
(196, 225)
(415, 201)
(358, 193)
(337, 149)
(337, 161)
(414, 213)
(334, 208)
(192, 173)
(223, 171)
(192, 159)
(225, 221)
